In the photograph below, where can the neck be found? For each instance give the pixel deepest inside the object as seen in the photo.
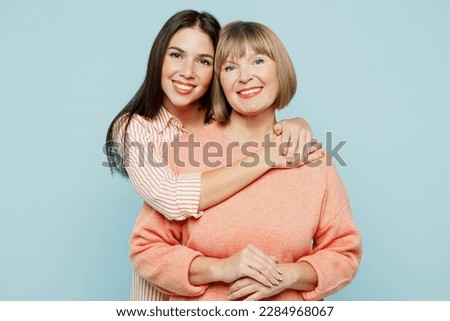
(244, 128)
(190, 116)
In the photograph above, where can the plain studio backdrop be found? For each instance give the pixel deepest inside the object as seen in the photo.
(376, 74)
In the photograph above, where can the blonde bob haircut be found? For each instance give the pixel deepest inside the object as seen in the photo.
(234, 40)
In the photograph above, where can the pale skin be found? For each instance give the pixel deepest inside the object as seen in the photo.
(250, 86)
(186, 74)
(253, 274)
(297, 276)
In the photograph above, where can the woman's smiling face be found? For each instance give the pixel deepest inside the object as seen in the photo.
(250, 83)
(187, 68)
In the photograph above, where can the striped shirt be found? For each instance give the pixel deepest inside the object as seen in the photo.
(176, 197)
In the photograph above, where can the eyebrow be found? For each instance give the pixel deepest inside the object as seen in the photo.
(253, 56)
(183, 51)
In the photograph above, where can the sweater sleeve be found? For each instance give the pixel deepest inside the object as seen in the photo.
(337, 242)
(158, 256)
(176, 197)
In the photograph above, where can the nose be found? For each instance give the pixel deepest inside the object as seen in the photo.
(187, 69)
(245, 74)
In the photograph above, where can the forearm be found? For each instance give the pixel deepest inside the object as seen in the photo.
(203, 270)
(221, 183)
(299, 276)
(175, 197)
(157, 255)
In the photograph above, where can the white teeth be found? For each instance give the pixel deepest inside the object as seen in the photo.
(183, 87)
(250, 91)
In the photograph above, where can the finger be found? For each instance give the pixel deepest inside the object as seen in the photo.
(266, 271)
(296, 138)
(265, 280)
(259, 267)
(306, 150)
(241, 283)
(315, 145)
(278, 128)
(315, 156)
(299, 150)
(254, 249)
(265, 259)
(309, 140)
(306, 144)
(256, 296)
(285, 140)
(243, 292)
(315, 152)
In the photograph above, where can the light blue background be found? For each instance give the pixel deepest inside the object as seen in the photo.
(375, 73)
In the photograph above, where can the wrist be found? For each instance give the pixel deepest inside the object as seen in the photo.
(299, 276)
(265, 158)
(290, 275)
(203, 270)
(216, 270)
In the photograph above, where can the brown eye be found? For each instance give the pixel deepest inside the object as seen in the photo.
(205, 62)
(175, 55)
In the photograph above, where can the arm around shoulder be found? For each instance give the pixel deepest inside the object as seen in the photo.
(176, 197)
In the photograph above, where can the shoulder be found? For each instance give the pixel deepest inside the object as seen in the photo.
(324, 166)
(321, 173)
(138, 121)
(203, 134)
(134, 125)
(334, 184)
(187, 152)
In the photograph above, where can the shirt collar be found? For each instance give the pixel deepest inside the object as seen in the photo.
(163, 118)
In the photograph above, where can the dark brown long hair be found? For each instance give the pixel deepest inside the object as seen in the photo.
(148, 99)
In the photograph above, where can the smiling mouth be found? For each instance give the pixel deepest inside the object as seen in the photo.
(183, 89)
(248, 93)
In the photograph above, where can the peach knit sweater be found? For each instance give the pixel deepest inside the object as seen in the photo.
(282, 213)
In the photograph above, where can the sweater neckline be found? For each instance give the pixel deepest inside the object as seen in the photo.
(216, 133)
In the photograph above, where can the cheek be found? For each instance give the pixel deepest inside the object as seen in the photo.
(276, 88)
(165, 71)
(206, 77)
(274, 85)
(226, 86)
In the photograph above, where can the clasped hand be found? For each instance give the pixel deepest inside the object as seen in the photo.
(252, 274)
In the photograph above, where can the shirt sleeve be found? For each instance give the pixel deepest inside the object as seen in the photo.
(337, 244)
(177, 197)
(158, 256)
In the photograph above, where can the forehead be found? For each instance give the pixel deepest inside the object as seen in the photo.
(192, 39)
(240, 49)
